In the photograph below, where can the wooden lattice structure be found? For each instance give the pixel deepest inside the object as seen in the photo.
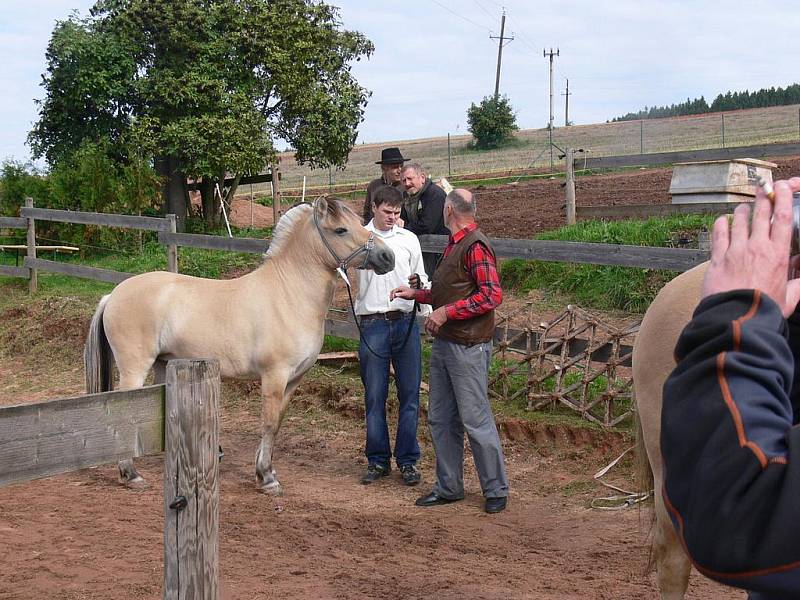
(574, 360)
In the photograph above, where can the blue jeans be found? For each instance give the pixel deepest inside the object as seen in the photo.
(386, 339)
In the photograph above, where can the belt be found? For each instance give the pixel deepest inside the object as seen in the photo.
(392, 315)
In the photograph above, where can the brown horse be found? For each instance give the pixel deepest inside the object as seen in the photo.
(652, 362)
(268, 324)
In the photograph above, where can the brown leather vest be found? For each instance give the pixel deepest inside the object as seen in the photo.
(451, 282)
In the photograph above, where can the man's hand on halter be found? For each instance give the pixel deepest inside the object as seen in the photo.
(756, 257)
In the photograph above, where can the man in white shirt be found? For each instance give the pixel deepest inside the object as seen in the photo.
(385, 339)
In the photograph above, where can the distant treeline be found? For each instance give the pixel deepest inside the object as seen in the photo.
(729, 101)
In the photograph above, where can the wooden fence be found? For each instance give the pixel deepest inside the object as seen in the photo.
(677, 259)
(180, 418)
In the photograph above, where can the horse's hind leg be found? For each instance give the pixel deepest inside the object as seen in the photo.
(672, 564)
(128, 474)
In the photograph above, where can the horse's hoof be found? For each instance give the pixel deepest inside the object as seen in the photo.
(137, 483)
(273, 488)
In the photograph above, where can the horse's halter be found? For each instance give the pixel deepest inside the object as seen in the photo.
(342, 265)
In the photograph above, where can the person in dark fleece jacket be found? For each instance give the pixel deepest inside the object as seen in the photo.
(423, 209)
(731, 454)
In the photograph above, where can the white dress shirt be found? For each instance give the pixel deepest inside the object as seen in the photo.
(373, 289)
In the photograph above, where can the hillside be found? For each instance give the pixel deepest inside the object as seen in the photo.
(740, 128)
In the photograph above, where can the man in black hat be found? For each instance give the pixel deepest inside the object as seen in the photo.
(391, 163)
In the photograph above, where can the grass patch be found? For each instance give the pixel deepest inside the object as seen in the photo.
(599, 286)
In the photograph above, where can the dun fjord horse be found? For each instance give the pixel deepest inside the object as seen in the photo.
(652, 362)
(268, 324)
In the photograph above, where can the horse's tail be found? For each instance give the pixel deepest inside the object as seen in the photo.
(97, 356)
(642, 468)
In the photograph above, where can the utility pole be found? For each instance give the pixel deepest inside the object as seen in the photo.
(566, 110)
(500, 39)
(551, 54)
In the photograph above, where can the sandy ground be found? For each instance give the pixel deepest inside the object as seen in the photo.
(82, 536)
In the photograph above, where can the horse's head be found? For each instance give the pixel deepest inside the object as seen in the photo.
(346, 240)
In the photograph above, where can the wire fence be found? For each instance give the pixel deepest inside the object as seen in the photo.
(452, 156)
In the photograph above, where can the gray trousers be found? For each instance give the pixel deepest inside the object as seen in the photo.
(459, 402)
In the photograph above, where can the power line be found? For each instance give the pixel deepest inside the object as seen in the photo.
(524, 38)
(490, 15)
(451, 11)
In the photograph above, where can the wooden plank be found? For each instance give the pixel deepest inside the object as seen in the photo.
(58, 436)
(88, 218)
(337, 356)
(676, 259)
(13, 223)
(633, 211)
(14, 271)
(214, 242)
(77, 270)
(246, 179)
(669, 158)
(191, 472)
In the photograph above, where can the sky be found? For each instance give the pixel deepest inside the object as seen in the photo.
(433, 58)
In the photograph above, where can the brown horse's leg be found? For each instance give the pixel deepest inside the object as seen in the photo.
(671, 561)
(276, 394)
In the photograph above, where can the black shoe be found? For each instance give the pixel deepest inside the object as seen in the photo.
(434, 499)
(411, 474)
(375, 472)
(495, 505)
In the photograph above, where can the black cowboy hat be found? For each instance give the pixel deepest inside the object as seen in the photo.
(391, 156)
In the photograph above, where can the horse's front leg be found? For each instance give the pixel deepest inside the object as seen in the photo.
(276, 393)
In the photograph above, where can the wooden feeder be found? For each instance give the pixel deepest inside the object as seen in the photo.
(731, 181)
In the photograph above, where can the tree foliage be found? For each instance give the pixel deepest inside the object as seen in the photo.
(492, 122)
(728, 101)
(209, 85)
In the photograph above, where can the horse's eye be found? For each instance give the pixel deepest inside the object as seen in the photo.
(340, 231)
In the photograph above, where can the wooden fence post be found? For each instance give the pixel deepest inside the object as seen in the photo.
(191, 484)
(276, 194)
(570, 186)
(172, 249)
(33, 277)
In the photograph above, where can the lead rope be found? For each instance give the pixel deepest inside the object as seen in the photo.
(341, 269)
(621, 501)
(361, 331)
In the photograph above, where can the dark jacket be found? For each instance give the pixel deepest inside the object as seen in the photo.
(422, 212)
(731, 455)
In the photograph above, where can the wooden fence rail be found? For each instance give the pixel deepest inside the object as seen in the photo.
(105, 219)
(180, 417)
(678, 259)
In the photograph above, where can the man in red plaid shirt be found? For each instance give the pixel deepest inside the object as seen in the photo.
(464, 292)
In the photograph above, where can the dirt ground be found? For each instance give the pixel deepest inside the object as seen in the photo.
(530, 207)
(82, 536)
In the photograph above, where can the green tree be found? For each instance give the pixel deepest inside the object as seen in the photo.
(17, 182)
(492, 122)
(210, 84)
